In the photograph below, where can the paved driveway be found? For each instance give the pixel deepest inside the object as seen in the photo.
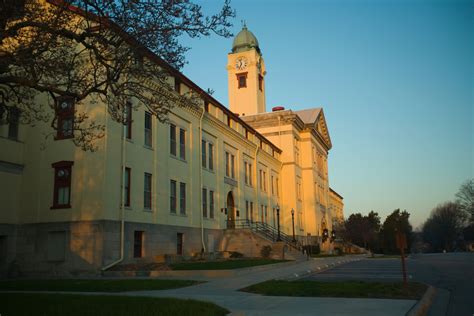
(451, 273)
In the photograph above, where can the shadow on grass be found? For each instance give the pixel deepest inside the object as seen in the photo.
(223, 265)
(72, 305)
(349, 289)
(96, 285)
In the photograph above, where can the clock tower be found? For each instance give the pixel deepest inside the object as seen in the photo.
(246, 75)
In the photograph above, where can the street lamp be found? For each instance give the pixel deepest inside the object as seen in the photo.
(293, 221)
(278, 221)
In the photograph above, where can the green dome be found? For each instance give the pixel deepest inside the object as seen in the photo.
(244, 41)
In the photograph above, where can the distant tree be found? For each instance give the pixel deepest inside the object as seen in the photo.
(96, 50)
(465, 198)
(395, 222)
(444, 226)
(363, 230)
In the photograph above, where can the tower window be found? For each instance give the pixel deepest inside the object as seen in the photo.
(260, 82)
(242, 80)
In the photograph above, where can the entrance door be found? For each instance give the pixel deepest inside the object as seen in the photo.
(230, 211)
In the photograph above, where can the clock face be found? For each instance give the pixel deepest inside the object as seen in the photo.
(241, 63)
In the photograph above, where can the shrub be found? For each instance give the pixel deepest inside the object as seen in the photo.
(266, 251)
(236, 254)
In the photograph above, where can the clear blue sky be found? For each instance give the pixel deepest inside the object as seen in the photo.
(395, 79)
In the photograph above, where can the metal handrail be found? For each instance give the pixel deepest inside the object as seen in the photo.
(267, 231)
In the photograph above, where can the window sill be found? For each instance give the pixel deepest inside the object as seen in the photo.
(16, 140)
(58, 207)
(148, 147)
(62, 137)
(129, 208)
(208, 170)
(178, 158)
(181, 215)
(129, 140)
(210, 219)
(148, 210)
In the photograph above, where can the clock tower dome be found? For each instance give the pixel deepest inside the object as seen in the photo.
(246, 75)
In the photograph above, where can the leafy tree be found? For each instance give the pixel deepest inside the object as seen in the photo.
(465, 198)
(363, 230)
(96, 50)
(395, 222)
(444, 226)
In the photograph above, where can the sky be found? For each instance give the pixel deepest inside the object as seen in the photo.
(394, 78)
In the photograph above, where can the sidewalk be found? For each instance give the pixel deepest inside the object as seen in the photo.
(224, 292)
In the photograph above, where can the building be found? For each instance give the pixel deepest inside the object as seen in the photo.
(153, 188)
(336, 204)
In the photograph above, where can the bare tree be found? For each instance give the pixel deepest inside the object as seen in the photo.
(445, 224)
(465, 198)
(96, 50)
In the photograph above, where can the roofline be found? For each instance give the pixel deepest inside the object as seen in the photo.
(173, 71)
(330, 189)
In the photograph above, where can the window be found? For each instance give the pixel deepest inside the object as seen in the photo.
(262, 211)
(298, 190)
(147, 191)
(65, 116)
(204, 202)
(211, 156)
(246, 172)
(251, 211)
(173, 139)
(62, 184)
(232, 166)
(260, 82)
(182, 143)
(137, 244)
(247, 209)
(173, 196)
(263, 180)
(203, 153)
(211, 204)
(277, 189)
(148, 129)
(273, 186)
(229, 165)
(177, 85)
(182, 198)
(206, 106)
(242, 80)
(127, 181)
(128, 121)
(13, 123)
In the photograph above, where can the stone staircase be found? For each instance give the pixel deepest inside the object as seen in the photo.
(249, 238)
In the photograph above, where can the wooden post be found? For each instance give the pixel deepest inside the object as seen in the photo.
(402, 244)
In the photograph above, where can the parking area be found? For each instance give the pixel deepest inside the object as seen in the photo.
(364, 270)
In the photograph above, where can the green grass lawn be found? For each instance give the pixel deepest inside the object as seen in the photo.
(96, 285)
(356, 289)
(72, 305)
(223, 265)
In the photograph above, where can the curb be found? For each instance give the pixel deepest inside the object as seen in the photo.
(198, 273)
(423, 306)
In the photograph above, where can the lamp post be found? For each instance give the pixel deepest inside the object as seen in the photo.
(278, 222)
(293, 221)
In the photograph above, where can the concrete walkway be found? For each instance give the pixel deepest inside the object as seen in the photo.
(223, 291)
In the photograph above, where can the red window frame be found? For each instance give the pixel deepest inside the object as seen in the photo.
(65, 109)
(62, 179)
(242, 80)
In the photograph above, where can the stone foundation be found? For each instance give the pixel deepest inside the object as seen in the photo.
(83, 248)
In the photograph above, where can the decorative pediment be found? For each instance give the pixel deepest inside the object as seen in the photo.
(314, 119)
(322, 129)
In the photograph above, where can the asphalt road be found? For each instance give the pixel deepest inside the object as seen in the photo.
(451, 273)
